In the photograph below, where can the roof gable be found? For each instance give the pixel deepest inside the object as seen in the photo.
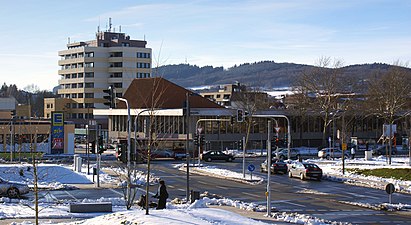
(160, 93)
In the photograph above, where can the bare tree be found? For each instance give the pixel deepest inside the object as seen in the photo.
(389, 95)
(321, 88)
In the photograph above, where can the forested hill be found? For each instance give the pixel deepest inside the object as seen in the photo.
(266, 74)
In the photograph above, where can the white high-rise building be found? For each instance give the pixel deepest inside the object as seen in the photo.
(87, 68)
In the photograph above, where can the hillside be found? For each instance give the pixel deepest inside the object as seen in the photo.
(266, 74)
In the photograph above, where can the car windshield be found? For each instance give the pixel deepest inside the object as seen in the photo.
(310, 166)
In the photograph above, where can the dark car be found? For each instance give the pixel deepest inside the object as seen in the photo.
(216, 155)
(277, 166)
(384, 149)
(305, 170)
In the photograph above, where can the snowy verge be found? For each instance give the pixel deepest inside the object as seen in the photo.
(383, 206)
(222, 173)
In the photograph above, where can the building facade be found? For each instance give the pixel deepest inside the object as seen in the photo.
(87, 68)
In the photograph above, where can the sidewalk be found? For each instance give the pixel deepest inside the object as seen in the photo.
(259, 216)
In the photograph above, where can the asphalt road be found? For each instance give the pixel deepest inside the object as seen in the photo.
(316, 198)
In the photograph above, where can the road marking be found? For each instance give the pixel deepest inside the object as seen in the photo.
(180, 189)
(170, 186)
(361, 196)
(117, 192)
(221, 187)
(252, 195)
(72, 196)
(288, 202)
(202, 182)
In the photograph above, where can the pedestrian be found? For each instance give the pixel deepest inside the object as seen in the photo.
(162, 195)
(352, 152)
(366, 146)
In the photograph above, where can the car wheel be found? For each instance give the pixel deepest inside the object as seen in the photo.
(302, 176)
(290, 175)
(230, 159)
(208, 159)
(13, 192)
(319, 178)
(328, 157)
(261, 170)
(282, 157)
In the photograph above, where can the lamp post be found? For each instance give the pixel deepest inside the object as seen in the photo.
(187, 117)
(128, 148)
(135, 134)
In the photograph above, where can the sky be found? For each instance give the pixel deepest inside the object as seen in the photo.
(205, 32)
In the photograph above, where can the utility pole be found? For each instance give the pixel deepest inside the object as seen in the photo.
(268, 193)
(187, 143)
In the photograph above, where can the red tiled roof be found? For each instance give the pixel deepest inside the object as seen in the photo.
(161, 93)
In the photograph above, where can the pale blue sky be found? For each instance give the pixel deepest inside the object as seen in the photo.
(217, 33)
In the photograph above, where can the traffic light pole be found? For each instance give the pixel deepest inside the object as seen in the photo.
(201, 120)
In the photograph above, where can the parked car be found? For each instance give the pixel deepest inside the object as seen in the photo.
(328, 153)
(13, 189)
(277, 166)
(305, 170)
(163, 153)
(295, 153)
(382, 150)
(216, 155)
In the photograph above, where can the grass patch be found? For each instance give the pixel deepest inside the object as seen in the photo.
(399, 174)
(22, 155)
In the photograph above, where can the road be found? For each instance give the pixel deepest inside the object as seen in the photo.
(319, 199)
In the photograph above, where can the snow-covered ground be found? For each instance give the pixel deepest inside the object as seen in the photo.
(57, 176)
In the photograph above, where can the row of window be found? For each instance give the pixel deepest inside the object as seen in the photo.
(80, 116)
(77, 65)
(80, 105)
(143, 55)
(143, 65)
(91, 65)
(78, 95)
(143, 75)
(78, 75)
(78, 85)
(78, 55)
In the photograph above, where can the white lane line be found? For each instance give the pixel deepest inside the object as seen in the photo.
(170, 186)
(71, 195)
(221, 187)
(361, 196)
(180, 189)
(117, 192)
(287, 202)
(202, 182)
(252, 195)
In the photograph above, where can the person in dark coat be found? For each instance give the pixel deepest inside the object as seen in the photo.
(162, 195)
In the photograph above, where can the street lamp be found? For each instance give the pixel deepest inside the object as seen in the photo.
(187, 117)
(128, 148)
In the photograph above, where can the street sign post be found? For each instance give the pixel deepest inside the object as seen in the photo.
(390, 189)
(251, 168)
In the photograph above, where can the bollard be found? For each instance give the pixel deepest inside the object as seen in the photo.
(75, 162)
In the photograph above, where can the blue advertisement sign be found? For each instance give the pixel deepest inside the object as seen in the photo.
(57, 131)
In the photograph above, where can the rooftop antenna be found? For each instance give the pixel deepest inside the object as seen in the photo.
(144, 37)
(68, 40)
(120, 29)
(98, 27)
(109, 24)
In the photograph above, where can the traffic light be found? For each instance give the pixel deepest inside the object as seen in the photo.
(202, 139)
(240, 115)
(100, 145)
(93, 147)
(196, 140)
(240, 145)
(111, 97)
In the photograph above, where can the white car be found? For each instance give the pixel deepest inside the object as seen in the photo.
(13, 189)
(329, 153)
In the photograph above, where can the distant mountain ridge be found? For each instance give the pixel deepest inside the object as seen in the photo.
(265, 74)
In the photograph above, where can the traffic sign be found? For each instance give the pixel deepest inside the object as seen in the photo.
(251, 167)
(390, 188)
(277, 129)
